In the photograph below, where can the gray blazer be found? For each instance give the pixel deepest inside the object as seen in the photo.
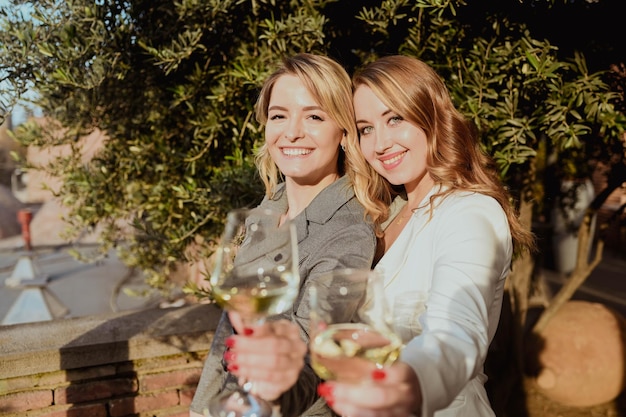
(332, 234)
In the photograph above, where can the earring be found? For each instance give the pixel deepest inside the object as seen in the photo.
(343, 147)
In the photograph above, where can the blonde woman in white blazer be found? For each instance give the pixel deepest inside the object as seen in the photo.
(448, 241)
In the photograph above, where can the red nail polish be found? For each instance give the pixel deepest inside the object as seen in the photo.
(229, 356)
(324, 390)
(378, 374)
(248, 331)
(230, 342)
(232, 367)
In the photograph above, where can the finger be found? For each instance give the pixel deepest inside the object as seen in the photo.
(283, 379)
(251, 364)
(241, 328)
(267, 346)
(274, 343)
(236, 321)
(243, 361)
(380, 396)
(391, 405)
(267, 391)
(352, 410)
(286, 328)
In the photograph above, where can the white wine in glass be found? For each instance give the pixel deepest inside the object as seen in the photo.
(351, 335)
(255, 274)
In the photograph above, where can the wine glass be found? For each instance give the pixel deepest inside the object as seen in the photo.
(351, 334)
(255, 274)
(407, 309)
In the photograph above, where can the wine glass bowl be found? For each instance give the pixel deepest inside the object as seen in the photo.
(407, 309)
(255, 274)
(351, 352)
(351, 334)
(256, 265)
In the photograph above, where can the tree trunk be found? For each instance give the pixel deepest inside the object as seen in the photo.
(581, 271)
(519, 284)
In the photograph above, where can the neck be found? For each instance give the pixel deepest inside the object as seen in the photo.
(416, 194)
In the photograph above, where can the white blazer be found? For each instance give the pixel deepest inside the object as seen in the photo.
(455, 263)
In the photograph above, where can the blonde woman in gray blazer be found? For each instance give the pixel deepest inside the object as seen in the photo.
(306, 108)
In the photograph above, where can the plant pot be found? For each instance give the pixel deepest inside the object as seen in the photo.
(567, 216)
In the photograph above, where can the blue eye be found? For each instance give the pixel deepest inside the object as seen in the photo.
(365, 130)
(395, 120)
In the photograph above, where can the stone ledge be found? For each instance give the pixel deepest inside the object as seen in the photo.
(33, 348)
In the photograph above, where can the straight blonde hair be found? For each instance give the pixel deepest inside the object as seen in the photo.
(331, 86)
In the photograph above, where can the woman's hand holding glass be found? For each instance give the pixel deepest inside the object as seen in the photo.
(273, 357)
(396, 393)
(351, 338)
(255, 275)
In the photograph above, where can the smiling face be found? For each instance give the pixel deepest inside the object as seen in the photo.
(302, 139)
(394, 147)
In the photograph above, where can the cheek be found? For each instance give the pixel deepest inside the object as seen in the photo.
(272, 134)
(367, 149)
(330, 136)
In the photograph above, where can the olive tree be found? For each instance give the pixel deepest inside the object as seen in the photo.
(172, 85)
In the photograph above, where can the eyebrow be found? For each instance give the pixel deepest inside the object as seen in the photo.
(306, 108)
(386, 112)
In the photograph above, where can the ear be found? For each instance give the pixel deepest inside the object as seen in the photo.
(343, 142)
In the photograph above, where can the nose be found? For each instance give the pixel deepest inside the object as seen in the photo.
(383, 141)
(293, 130)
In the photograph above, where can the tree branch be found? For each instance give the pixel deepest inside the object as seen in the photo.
(581, 271)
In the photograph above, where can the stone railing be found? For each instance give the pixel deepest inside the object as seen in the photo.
(141, 363)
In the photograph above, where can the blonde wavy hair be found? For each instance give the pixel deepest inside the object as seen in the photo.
(413, 90)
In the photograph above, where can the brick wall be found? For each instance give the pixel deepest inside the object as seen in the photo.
(129, 364)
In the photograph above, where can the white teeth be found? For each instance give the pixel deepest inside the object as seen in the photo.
(295, 152)
(394, 159)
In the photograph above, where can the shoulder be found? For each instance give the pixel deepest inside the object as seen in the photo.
(335, 203)
(339, 223)
(278, 200)
(470, 204)
(472, 225)
(471, 214)
(347, 217)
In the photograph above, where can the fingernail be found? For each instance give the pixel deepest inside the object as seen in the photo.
(229, 356)
(230, 342)
(248, 331)
(378, 374)
(232, 367)
(324, 390)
